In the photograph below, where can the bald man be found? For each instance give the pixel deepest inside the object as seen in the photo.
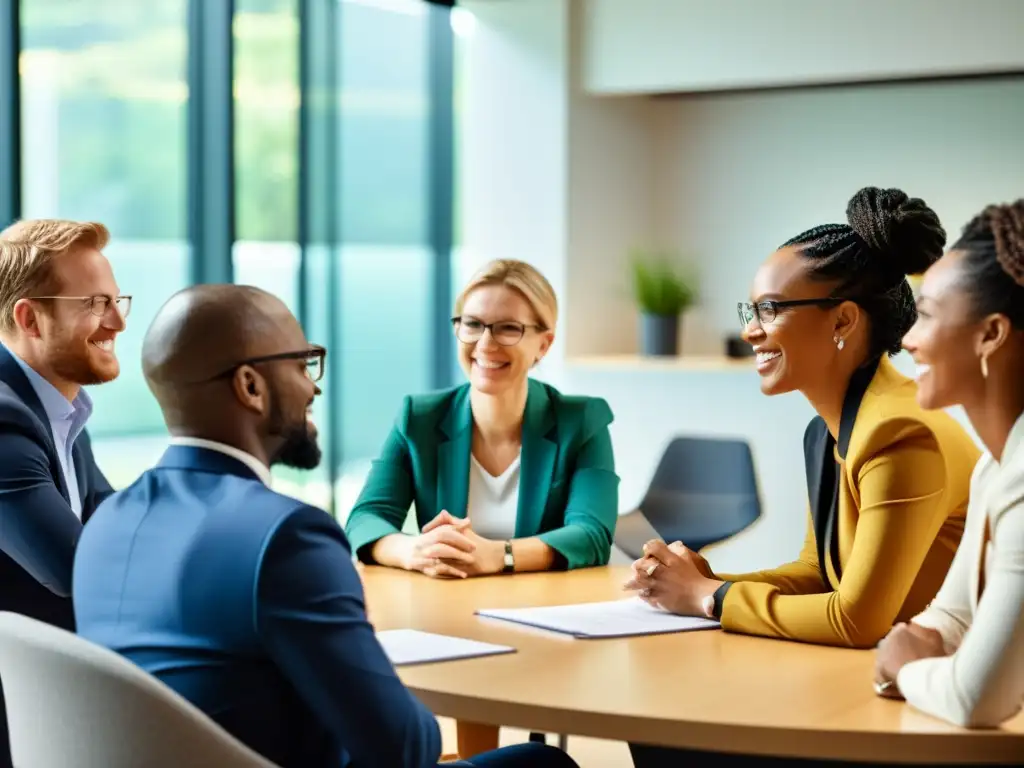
(243, 600)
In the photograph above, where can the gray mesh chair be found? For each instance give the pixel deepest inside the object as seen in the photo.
(703, 492)
(73, 704)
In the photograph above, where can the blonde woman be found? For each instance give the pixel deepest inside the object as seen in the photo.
(507, 473)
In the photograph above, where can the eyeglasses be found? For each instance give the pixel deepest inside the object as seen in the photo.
(507, 333)
(767, 311)
(314, 358)
(98, 304)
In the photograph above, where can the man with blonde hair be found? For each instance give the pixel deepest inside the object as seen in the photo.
(60, 311)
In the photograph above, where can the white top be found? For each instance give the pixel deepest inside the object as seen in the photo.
(493, 501)
(257, 466)
(981, 684)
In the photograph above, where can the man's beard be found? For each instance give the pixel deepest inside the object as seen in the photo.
(72, 363)
(299, 448)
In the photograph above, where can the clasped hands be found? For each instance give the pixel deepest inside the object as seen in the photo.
(675, 579)
(448, 547)
(904, 643)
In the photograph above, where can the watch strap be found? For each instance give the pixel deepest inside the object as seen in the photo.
(720, 599)
(510, 561)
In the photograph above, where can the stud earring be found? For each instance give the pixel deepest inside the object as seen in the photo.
(840, 343)
(984, 367)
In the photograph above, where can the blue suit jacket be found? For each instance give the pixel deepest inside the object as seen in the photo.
(247, 603)
(38, 529)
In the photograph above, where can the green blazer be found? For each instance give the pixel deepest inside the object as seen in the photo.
(568, 489)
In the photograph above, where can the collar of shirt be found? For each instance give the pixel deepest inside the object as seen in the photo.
(69, 416)
(258, 467)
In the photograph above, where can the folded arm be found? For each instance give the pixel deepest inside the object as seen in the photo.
(982, 683)
(312, 621)
(593, 505)
(901, 490)
(38, 529)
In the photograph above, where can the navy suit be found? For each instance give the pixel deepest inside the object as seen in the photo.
(247, 603)
(38, 529)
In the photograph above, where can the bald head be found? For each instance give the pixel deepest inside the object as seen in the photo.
(204, 330)
(230, 363)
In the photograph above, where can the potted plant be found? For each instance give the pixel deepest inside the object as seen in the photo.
(662, 293)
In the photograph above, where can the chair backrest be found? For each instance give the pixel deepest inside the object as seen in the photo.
(703, 491)
(73, 704)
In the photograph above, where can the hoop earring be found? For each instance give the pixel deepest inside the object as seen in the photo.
(984, 367)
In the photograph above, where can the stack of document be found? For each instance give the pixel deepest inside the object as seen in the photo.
(410, 646)
(617, 618)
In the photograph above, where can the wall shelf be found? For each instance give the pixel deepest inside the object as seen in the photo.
(711, 363)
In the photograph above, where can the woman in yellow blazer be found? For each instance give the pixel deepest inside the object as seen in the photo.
(962, 659)
(887, 481)
(506, 473)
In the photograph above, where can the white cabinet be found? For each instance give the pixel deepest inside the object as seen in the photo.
(675, 46)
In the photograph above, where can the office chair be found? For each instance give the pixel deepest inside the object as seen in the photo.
(71, 703)
(703, 492)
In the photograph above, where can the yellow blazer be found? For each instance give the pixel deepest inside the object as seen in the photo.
(887, 508)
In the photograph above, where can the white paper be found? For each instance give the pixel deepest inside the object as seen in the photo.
(617, 618)
(410, 646)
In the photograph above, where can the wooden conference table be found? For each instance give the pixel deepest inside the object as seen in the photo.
(702, 690)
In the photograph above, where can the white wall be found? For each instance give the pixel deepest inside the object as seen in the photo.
(611, 209)
(651, 46)
(572, 182)
(513, 127)
(742, 173)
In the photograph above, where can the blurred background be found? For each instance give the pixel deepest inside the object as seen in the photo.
(360, 157)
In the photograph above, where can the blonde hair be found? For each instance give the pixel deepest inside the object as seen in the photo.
(27, 251)
(521, 277)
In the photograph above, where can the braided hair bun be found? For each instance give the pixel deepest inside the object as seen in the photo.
(1007, 223)
(993, 247)
(902, 230)
(889, 236)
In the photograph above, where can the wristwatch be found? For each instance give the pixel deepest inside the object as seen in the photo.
(510, 561)
(713, 604)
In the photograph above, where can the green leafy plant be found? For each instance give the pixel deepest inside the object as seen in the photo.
(660, 288)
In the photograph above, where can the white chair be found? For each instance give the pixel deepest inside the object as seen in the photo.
(73, 704)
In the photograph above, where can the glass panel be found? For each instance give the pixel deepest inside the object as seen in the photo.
(104, 93)
(267, 254)
(386, 266)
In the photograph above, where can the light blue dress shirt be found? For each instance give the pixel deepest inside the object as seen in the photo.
(67, 420)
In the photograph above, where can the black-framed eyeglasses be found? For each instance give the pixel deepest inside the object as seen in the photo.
(314, 358)
(507, 333)
(97, 304)
(766, 311)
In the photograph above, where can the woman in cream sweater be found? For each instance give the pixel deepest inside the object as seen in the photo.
(962, 659)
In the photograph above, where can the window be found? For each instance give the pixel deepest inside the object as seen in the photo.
(104, 93)
(385, 316)
(338, 219)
